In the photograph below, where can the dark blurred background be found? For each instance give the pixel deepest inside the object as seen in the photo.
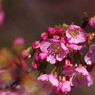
(29, 18)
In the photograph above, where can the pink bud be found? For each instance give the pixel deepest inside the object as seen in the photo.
(50, 30)
(56, 37)
(36, 56)
(59, 30)
(92, 22)
(34, 65)
(18, 40)
(25, 54)
(44, 35)
(64, 40)
(35, 44)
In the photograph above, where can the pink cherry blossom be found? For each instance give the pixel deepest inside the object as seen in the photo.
(49, 78)
(79, 76)
(63, 88)
(35, 44)
(75, 34)
(48, 82)
(91, 22)
(55, 49)
(90, 56)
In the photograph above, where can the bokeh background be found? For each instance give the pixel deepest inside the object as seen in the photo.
(29, 18)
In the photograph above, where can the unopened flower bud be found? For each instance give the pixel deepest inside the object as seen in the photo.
(56, 37)
(59, 30)
(35, 44)
(34, 65)
(44, 35)
(50, 30)
(92, 22)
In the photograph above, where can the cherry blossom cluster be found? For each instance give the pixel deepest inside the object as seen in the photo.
(60, 59)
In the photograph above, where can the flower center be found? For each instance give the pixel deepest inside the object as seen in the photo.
(74, 32)
(54, 49)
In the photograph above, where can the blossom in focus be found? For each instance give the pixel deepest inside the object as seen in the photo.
(75, 34)
(55, 50)
(2, 14)
(63, 88)
(35, 44)
(79, 76)
(90, 56)
(91, 22)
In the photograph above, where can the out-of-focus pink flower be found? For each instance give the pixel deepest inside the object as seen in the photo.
(75, 34)
(59, 30)
(79, 76)
(24, 64)
(44, 35)
(34, 65)
(63, 88)
(91, 22)
(90, 56)
(18, 90)
(2, 15)
(35, 44)
(50, 30)
(18, 40)
(55, 49)
(56, 37)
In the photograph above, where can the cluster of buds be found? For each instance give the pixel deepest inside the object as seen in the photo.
(60, 60)
(63, 59)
